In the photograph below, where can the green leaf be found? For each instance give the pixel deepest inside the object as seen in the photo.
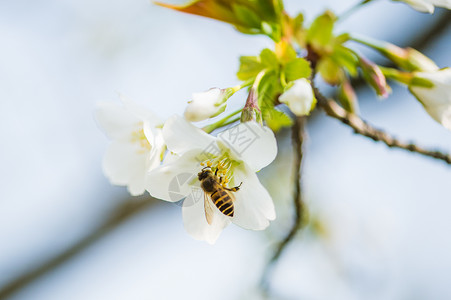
(330, 71)
(269, 89)
(320, 33)
(272, 30)
(297, 68)
(269, 59)
(214, 9)
(285, 52)
(345, 58)
(250, 66)
(271, 9)
(246, 16)
(298, 21)
(276, 119)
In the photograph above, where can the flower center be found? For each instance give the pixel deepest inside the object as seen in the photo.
(139, 137)
(222, 166)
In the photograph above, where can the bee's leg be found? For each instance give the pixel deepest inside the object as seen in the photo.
(234, 189)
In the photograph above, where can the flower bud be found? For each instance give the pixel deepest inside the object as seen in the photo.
(417, 61)
(251, 111)
(347, 97)
(299, 97)
(408, 59)
(374, 76)
(207, 104)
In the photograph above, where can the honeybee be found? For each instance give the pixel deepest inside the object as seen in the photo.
(216, 192)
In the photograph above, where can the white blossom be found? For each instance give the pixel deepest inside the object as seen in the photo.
(137, 144)
(437, 98)
(205, 105)
(238, 152)
(427, 6)
(299, 97)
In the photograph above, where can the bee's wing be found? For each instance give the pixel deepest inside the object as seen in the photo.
(209, 213)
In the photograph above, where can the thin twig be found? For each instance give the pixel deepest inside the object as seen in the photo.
(298, 136)
(122, 213)
(352, 10)
(363, 128)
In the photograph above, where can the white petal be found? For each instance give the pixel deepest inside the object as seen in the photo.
(175, 180)
(140, 111)
(181, 136)
(125, 164)
(251, 143)
(196, 224)
(204, 105)
(254, 207)
(170, 157)
(442, 3)
(207, 97)
(442, 114)
(155, 138)
(299, 97)
(116, 121)
(420, 5)
(437, 99)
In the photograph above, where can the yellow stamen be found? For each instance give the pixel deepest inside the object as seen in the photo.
(139, 137)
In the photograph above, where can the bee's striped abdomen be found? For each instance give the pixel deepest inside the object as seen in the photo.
(223, 201)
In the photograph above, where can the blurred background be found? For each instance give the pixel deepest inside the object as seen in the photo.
(382, 216)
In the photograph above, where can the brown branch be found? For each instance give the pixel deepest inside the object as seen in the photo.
(121, 214)
(333, 110)
(298, 136)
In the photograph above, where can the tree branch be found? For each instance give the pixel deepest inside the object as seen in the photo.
(121, 214)
(333, 110)
(298, 137)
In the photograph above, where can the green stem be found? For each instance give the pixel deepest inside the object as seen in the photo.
(370, 42)
(352, 9)
(397, 75)
(243, 85)
(283, 80)
(231, 121)
(221, 123)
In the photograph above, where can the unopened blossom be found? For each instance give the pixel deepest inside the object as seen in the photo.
(413, 60)
(299, 97)
(427, 6)
(408, 58)
(251, 111)
(347, 97)
(236, 154)
(137, 144)
(433, 90)
(374, 76)
(207, 104)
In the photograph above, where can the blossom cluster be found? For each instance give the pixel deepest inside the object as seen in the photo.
(174, 160)
(137, 158)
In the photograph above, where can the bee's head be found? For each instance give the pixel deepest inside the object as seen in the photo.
(204, 173)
